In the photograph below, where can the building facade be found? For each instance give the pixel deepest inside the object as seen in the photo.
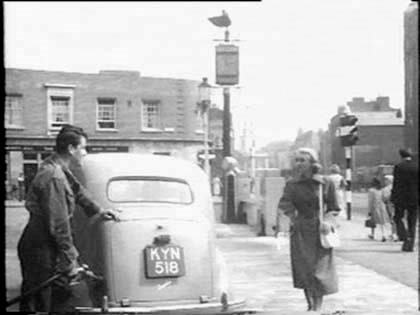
(120, 111)
(411, 65)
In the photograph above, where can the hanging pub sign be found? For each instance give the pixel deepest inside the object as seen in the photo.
(30, 148)
(227, 64)
(101, 149)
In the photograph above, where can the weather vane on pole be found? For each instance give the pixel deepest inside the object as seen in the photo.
(222, 21)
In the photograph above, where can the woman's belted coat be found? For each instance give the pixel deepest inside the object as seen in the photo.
(313, 267)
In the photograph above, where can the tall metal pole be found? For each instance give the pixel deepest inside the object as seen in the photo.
(226, 114)
(347, 151)
(229, 185)
(226, 122)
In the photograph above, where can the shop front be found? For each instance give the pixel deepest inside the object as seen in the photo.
(23, 161)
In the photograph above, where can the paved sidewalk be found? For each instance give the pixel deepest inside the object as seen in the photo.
(260, 268)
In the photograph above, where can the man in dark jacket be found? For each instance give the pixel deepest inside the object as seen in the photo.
(404, 196)
(46, 245)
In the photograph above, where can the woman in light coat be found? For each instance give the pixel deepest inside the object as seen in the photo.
(313, 267)
(339, 184)
(377, 208)
(389, 206)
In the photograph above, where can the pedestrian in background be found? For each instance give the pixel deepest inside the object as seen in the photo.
(216, 186)
(386, 198)
(376, 208)
(339, 184)
(15, 192)
(404, 196)
(46, 245)
(313, 267)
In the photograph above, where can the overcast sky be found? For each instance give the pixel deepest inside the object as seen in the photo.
(299, 60)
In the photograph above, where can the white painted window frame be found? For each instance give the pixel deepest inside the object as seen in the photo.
(19, 103)
(144, 116)
(59, 90)
(97, 114)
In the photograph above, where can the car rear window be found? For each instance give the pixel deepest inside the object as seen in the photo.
(149, 190)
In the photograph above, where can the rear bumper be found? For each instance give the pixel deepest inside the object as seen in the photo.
(213, 308)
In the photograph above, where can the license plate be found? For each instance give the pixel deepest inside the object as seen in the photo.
(164, 261)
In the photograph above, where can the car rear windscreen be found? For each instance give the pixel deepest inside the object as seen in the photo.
(149, 190)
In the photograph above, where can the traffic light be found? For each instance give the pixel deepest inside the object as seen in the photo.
(348, 131)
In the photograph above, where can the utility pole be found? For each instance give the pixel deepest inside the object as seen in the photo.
(226, 122)
(347, 152)
(206, 142)
(348, 133)
(229, 182)
(227, 75)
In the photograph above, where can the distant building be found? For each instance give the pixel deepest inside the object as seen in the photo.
(380, 129)
(381, 104)
(283, 160)
(307, 139)
(216, 127)
(325, 151)
(120, 111)
(411, 63)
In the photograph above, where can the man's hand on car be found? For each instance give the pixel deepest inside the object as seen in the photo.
(325, 227)
(110, 214)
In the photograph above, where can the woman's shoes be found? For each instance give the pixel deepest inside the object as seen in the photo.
(309, 299)
(393, 238)
(383, 239)
(317, 303)
(370, 236)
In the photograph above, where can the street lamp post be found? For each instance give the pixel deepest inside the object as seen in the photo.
(204, 93)
(227, 75)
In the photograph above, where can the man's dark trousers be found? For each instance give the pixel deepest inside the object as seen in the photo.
(406, 234)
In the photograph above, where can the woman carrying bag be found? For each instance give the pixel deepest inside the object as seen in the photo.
(377, 210)
(313, 266)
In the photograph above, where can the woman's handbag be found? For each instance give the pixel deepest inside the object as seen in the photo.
(369, 222)
(331, 239)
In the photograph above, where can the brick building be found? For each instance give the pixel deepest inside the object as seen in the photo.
(411, 63)
(121, 111)
(380, 129)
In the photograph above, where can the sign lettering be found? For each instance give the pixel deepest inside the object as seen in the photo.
(166, 261)
(175, 253)
(154, 254)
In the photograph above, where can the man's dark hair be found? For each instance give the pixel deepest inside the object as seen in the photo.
(405, 153)
(68, 135)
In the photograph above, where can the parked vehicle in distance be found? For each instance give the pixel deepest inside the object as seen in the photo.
(161, 256)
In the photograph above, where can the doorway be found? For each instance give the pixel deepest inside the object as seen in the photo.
(29, 172)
